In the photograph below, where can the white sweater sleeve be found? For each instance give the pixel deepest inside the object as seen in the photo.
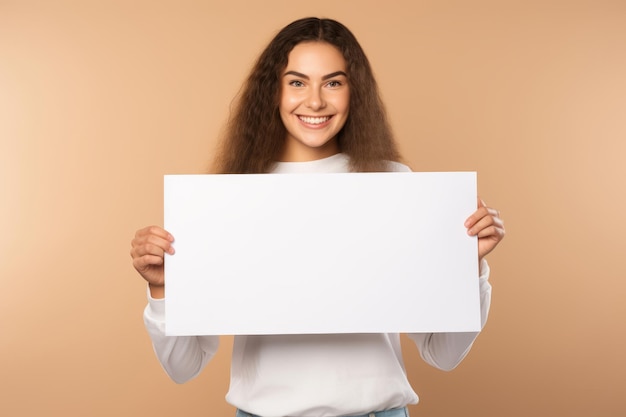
(182, 357)
(446, 350)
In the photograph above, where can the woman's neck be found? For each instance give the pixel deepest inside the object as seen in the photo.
(298, 152)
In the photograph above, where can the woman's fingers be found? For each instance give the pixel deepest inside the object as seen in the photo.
(485, 223)
(484, 219)
(151, 245)
(152, 240)
(148, 249)
(143, 263)
(153, 232)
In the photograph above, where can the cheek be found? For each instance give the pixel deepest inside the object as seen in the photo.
(342, 103)
(287, 104)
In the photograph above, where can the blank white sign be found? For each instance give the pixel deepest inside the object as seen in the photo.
(321, 253)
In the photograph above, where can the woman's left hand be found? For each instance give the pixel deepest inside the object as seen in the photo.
(486, 224)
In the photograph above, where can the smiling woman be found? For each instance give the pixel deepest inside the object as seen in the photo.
(310, 105)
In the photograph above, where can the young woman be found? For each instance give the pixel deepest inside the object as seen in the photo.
(310, 104)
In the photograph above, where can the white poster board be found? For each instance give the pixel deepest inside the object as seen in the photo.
(321, 253)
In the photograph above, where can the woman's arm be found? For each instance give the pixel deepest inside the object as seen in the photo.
(182, 357)
(446, 350)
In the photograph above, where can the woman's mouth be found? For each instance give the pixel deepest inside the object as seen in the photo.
(314, 120)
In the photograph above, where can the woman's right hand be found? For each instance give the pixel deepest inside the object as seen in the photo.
(148, 249)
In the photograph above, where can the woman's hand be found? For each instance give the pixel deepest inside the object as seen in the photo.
(148, 249)
(486, 224)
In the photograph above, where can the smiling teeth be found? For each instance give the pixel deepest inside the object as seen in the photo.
(314, 120)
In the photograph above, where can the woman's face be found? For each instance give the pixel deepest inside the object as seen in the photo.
(314, 102)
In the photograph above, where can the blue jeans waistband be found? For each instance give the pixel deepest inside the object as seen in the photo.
(396, 412)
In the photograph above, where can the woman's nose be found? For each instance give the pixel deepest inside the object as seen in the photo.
(315, 100)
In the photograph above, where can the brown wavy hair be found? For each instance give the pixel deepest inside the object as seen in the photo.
(255, 135)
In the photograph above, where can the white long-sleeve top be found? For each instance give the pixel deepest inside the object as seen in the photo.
(313, 375)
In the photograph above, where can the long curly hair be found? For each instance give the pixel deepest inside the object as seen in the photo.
(255, 135)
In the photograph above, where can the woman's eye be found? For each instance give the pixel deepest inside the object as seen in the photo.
(334, 84)
(296, 83)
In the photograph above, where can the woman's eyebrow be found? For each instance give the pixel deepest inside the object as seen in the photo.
(325, 77)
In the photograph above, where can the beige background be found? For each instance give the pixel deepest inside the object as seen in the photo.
(99, 99)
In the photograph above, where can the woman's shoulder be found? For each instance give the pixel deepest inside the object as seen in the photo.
(394, 166)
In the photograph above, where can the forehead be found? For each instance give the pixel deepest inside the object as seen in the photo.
(313, 57)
